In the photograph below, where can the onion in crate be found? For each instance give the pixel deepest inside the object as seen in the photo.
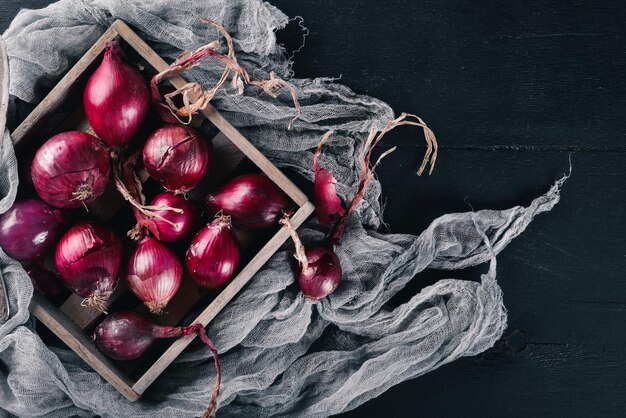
(169, 225)
(116, 99)
(252, 200)
(154, 273)
(71, 169)
(30, 228)
(178, 157)
(88, 259)
(213, 255)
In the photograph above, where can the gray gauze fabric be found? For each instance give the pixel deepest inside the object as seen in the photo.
(281, 355)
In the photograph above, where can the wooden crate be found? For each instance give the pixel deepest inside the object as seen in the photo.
(62, 110)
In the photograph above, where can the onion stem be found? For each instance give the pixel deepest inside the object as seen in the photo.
(194, 99)
(300, 250)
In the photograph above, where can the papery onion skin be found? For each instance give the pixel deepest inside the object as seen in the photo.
(214, 254)
(178, 157)
(46, 282)
(180, 225)
(116, 99)
(154, 273)
(124, 335)
(89, 259)
(323, 274)
(30, 228)
(252, 200)
(71, 169)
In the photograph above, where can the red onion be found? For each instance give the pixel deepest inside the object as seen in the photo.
(252, 200)
(169, 225)
(154, 274)
(328, 206)
(46, 282)
(71, 169)
(322, 274)
(30, 228)
(127, 335)
(177, 157)
(319, 270)
(213, 255)
(116, 99)
(88, 259)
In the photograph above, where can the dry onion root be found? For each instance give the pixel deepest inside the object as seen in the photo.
(129, 186)
(194, 98)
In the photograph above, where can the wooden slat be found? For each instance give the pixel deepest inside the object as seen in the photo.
(217, 119)
(67, 331)
(223, 298)
(61, 91)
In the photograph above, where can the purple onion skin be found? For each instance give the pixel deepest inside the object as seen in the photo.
(154, 273)
(30, 228)
(323, 274)
(123, 335)
(213, 255)
(183, 223)
(252, 200)
(116, 99)
(71, 169)
(178, 157)
(46, 282)
(89, 259)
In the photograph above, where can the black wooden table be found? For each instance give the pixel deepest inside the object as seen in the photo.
(512, 88)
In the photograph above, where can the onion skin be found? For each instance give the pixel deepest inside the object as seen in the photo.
(323, 273)
(177, 157)
(252, 200)
(328, 207)
(154, 274)
(214, 254)
(46, 282)
(116, 99)
(30, 228)
(71, 169)
(124, 335)
(88, 259)
(180, 225)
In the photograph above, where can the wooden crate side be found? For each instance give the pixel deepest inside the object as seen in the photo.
(217, 119)
(222, 299)
(60, 92)
(74, 337)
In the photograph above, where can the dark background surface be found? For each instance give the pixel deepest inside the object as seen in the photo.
(511, 89)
